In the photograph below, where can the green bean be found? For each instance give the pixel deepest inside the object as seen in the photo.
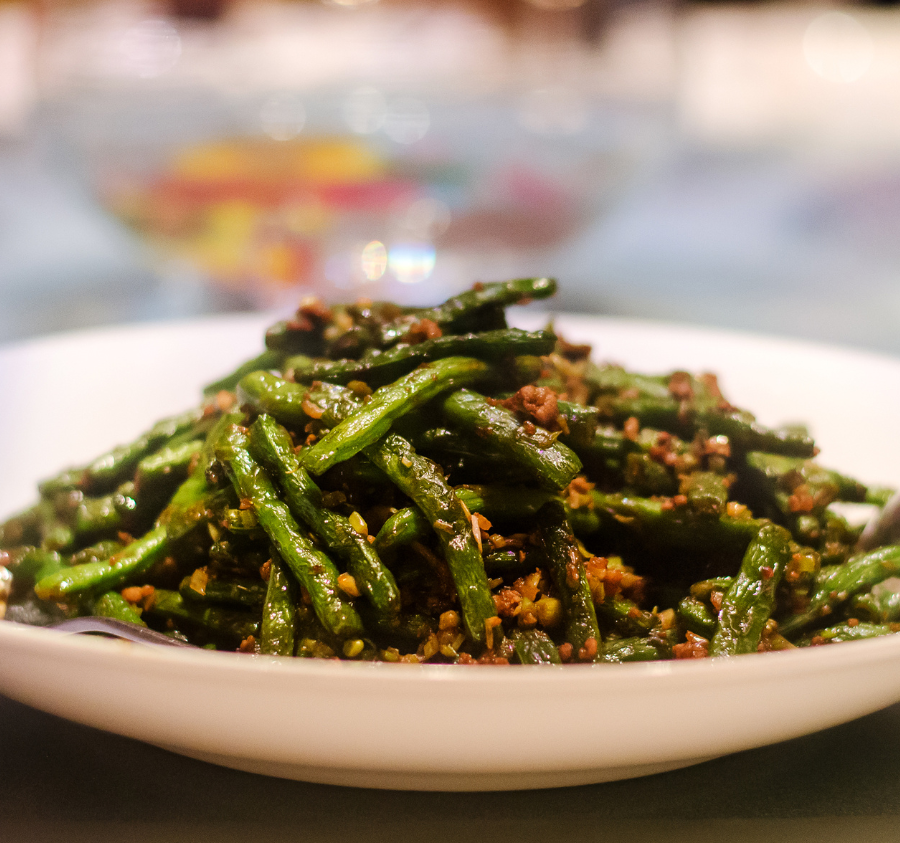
(505, 561)
(386, 366)
(461, 450)
(278, 623)
(106, 515)
(570, 578)
(91, 577)
(101, 550)
(312, 568)
(271, 445)
(535, 647)
(625, 615)
(750, 600)
(167, 467)
(111, 604)
(423, 481)
(267, 393)
(837, 583)
(632, 649)
(706, 493)
(261, 514)
(195, 499)
(29, 564)
(697, 617)
(879, 495)
(646, 476)
(654, 402)
(404, 527)
(778, 479)
(660, 525)
(499, 502)
(883, 607)
(848, 632)
(57, 536)
(24, 528)
(118, 465)
(232, 625)
(187, 508)
(581, 424)
(550, 463)
(373, 420)
(241, 521)
(267, 360)
(457, 313)
(238, 592)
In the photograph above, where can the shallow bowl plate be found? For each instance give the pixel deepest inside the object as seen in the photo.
(69, 398)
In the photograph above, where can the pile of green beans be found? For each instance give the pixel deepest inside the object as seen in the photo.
(431, 485)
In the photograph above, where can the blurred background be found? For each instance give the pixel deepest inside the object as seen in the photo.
(735, 165)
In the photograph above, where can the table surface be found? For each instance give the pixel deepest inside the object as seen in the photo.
(63, 781)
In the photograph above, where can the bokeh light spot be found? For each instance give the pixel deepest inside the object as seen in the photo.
(838, 47)
(374, 260)
(412, 263)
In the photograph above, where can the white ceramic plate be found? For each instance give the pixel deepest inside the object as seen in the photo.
(69, 398)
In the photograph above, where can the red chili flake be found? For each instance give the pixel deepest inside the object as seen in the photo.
(565, 652)
(853, 622)
(767, 572)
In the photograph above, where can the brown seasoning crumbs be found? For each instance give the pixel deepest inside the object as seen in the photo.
(421, 330)
(696, 647)
(534, 403)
